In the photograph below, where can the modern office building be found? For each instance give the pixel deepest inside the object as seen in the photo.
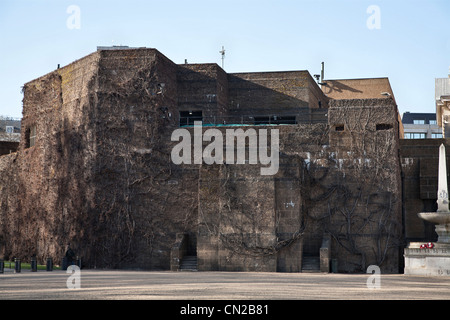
(421, 126)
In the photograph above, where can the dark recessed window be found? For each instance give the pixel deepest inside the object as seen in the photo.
(30, 137)
(275, 120)
(384, 126)
(187, 118)
(339, 127)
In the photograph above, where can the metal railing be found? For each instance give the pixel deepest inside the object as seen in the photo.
(17, 265)
(259, 120)
(8, 118)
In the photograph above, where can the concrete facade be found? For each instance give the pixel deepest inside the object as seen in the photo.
(442, 98)
(94, 170)
(427, 262)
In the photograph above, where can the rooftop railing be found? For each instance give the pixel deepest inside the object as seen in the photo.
(260, 120)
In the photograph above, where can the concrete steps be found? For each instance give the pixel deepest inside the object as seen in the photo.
(311, 264)
(189, 263)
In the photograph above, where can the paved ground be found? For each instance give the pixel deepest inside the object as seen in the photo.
(127, 285)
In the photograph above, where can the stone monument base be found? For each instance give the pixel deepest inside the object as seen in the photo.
(427, 262)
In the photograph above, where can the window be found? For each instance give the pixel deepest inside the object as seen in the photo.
(419, 121)
(339, 127)
(420, 135)
(33, 136)
(433, 122)
(436, 135)
(383, 126)
(30, 136)
(187, 118)
(275, 120)
(415, 135)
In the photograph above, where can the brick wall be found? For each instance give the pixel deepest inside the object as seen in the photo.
(419, 160)
(100, 175)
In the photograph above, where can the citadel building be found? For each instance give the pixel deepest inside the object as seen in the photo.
(94, 169)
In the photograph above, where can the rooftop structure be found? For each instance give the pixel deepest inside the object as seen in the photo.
(367, 88)
(442, 98)
(421, 126)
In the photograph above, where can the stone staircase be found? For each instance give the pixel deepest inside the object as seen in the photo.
(188, 263)
(311, 264)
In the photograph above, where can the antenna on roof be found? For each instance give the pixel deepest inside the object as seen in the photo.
(222, 52)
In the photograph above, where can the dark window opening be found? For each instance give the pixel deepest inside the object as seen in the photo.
(30, 137)
(275, 120)
(187, 118)
(339, 127)
(384, 126)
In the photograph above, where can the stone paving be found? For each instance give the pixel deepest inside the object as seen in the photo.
(165, 285)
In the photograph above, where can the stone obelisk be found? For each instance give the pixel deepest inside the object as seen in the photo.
(434, 258)
(442, 201)
(441, 218)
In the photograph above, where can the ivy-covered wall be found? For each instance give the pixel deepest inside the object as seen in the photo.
(99, 174)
